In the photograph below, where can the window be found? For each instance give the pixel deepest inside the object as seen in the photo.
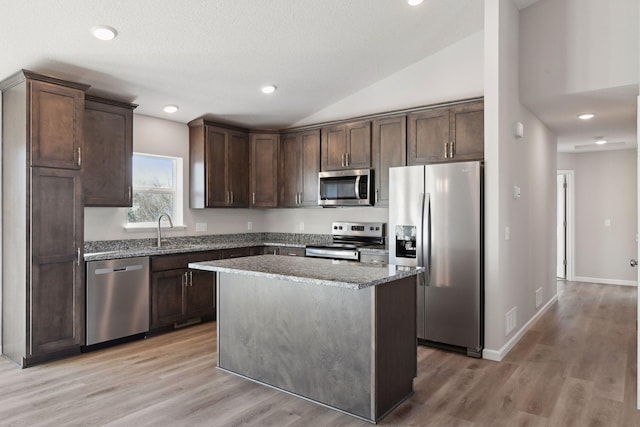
(157, 189)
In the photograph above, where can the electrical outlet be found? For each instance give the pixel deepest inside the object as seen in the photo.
(507, 233)
(249, 225)
(201, 226)
(510, 320)
(538, 297)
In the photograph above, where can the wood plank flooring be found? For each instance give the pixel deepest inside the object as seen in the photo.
(575, 367)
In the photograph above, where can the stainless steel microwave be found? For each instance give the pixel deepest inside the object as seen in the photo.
(346, 188)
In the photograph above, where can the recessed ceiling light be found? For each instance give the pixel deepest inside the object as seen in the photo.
(170, 109)
(414, 2)
(268, 88)
(102, 32)
(586, 116)
(600, 140)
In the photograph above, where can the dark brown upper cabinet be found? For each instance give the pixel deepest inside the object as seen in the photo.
(55, 112)
(446, 134)
(467, 131)
(108, 152)
(389, 150)
(265, 148)
(299, 166)
(346, 146)
(219, 166)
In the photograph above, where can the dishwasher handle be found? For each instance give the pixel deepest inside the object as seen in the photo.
(122, 269)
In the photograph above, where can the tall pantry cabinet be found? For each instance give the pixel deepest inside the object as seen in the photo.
(42, 268)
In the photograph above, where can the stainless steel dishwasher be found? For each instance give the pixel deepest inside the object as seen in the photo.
(117, 299)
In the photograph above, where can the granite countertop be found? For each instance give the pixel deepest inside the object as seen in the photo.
(174, 249)
(318, 271)
(115, 249)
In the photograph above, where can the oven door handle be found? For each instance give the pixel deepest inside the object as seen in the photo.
(332, 253)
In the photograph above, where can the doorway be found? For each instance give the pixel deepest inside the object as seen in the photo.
(564, 225)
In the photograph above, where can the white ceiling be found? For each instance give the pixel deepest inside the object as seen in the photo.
(212, 57)
(615, 119)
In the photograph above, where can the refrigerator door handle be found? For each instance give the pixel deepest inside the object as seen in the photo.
(427, 238)
(419, 232)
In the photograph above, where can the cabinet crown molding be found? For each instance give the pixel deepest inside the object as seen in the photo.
(22, 75)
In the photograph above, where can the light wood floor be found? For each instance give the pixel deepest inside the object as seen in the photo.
(575, 367)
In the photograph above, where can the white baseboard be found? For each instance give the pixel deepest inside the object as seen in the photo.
(498, 355)
(605, 281)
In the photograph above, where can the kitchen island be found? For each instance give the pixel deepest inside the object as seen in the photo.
(339, 334)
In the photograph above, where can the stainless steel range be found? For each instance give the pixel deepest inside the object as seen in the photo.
(347, 238)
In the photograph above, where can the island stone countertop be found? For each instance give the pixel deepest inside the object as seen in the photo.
(344, 274)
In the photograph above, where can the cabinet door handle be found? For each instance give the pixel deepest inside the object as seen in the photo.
(191, 278)
(453, 149)
(377, 192)
(79, 156)
(184, 279)
(253, 201)
(446, 150)
(78, 259)
(130, 194)
(342, 160)
(232, 197)
(348, 156)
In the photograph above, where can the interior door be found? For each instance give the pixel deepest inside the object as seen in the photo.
(561, 226)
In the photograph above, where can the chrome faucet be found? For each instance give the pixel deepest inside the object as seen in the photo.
(170, 224)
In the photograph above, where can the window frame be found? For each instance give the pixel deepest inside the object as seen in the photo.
(177, 191)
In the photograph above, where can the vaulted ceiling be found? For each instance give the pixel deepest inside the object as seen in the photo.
(212, 57)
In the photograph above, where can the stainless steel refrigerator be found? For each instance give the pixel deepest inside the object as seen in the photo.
(435, 221)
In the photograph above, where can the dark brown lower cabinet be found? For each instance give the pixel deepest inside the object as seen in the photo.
(56, 315)
(178, 295)
(181, 296)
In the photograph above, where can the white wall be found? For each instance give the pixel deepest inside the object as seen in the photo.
(450, 74)
(517, 267)
(605, 188)
(578, 46)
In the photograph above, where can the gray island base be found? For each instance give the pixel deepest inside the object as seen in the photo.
(341, 335)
